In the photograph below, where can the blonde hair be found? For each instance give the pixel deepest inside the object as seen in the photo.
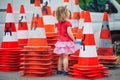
(61, 13)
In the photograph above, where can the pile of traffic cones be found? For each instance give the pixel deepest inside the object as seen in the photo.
(22, 28)
(9, 51)
(37, 56)
(105, 49)
(88, 66)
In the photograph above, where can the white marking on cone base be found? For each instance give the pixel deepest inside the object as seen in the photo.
(37, 33)
(8, 38)
(87, 28)
(22, 34)
(48, 19)
(90, 51)
(10, 17)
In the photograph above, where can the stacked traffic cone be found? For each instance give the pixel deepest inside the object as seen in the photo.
(105, 50)
(75, 17)
(88, 66)
(22, 28)
(9, 51)
(37, 54)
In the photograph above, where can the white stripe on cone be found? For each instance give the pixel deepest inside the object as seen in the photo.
(105, 43)
(23, 34)
(37, 33)
(37, 10)
(48, 19)
(90, 51)
(10, 17)
(81, 23)
(8, 38)
(75, 22)
(76, 8)
(87, 28)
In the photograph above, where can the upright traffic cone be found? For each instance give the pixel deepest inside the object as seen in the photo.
(9, 51)
(22, 28)
(79, 35)
(80, 30)
(105, 49)
(88, 66)
(49, 20)
(75, 17)
(37, 54)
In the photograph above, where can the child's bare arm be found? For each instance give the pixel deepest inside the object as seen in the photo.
(69, 31)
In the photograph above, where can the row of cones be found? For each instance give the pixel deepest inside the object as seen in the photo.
(37, 47)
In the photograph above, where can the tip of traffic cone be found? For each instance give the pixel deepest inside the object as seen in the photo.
(37, 2)
(82, 16)
(76, 1)
(105, 16)
(87, 17)
(66, 0)
(22, 10)
(9, 8)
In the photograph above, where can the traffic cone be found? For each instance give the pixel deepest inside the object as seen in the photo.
(10, 36)
(9, 51)
(79, 35)
(88, 66)
(22, 28)
(105, 49)
(80, 30)
(37, 35)
(37, 53)
(49, 20)
(75, 17)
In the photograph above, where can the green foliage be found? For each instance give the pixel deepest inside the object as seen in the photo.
(118, 1)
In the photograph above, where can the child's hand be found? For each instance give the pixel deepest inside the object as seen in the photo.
(78, 42)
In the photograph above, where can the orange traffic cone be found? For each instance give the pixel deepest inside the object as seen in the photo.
(80, 29)
(79, 35)
(22, 28)
(9, 51)
(105, 50)
(88, 66)
(37, 35)
(49, 20)
(10, 35)
(37, 54)
(75, 17)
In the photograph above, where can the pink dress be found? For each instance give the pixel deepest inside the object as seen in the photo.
(64, 45)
